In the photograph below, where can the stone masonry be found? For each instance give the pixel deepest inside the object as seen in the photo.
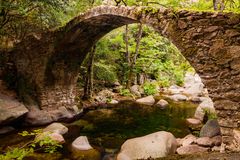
(48, 66)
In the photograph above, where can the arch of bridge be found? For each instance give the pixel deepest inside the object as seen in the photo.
(209, 41)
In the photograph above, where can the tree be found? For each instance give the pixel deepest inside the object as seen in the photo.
(88, 87)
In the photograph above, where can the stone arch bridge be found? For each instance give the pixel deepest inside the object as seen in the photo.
(48, 66)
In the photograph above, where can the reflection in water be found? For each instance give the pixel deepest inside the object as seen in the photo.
(109, 128)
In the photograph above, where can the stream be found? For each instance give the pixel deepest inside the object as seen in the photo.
(107, 129)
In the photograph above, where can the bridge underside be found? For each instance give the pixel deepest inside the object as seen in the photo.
(47, 68)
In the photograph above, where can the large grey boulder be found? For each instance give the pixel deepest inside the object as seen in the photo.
(10, 109)
(149, 100)
(210, 129)
(155, 145)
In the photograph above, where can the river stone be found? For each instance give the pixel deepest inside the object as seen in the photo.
(178, 97)
(205, 142)
(155, 145)
(56, 128)
(113, 101)
(189, 139)
(82, 150)
(194, 123)
(135, 90)
(205, 105)
(210, 129)
(149, 100)
(81, 143)
(162, 104)
(53, 136)
(191, 149)
(10, 109)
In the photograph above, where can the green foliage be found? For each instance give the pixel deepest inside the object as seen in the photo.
(49, 145)
(104, 72)
(150, 88)
(44, 143)
(16, 153)
(125, 92)
(158, 58)
(209, 114)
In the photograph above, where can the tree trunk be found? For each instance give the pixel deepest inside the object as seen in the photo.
(88, 87)
(134, 58)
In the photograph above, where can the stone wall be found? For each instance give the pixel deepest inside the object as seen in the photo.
(49, 65)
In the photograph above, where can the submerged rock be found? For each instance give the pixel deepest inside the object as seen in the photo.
(81, 143)
(149, 100)
(210, 129)
(155, 145)
(6, 129)
(82, 150)
(56, 128)
(162, 104)
(10, 109)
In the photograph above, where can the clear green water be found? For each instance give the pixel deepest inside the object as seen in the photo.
(109, 128)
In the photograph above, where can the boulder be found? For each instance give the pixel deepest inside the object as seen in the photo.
(193, 85)
(104, 95)
(81, 143)
(149, 100)
(205, 142)
(36, 117)
(178, 97)
(209, 142)
(205, 106)
(174, 89)
(82, 150)
(10, 109)
(135, 90)
(56, 128)
(210, 129)
(191, 149)
(194, 124)
(155, 145)
(53, 136)
(162, 104)
(113, 101)
(189, 139)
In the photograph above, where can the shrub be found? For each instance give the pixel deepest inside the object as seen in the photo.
(150, 88)
(125, 92)
(45, 143)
